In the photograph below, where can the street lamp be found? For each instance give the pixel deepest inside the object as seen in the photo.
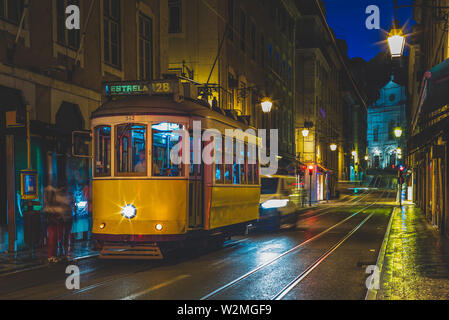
(396, 42)
(267, 105)
(305, 132)
(398, 132)
(333, 147)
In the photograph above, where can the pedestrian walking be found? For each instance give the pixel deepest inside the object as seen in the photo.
(58, 212)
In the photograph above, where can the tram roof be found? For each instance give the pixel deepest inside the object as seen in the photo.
(162, 105)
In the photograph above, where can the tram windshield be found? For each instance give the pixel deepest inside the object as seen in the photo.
(164, 140)
(131, 149)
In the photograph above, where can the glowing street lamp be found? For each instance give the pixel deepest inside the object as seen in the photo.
(396, 42)
(305, 132)
(267, 105)
(333, 147)
(398, 132)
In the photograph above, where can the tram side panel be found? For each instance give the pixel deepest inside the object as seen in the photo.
(158, 202)
(233, 205)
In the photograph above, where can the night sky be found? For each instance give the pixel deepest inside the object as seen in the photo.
(347, 19)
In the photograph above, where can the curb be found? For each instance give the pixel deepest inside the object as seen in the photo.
(372, 293)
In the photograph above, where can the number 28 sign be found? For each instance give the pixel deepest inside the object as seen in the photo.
(136, 88)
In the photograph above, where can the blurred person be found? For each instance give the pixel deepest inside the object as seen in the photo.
(58, 211)
(141, 165)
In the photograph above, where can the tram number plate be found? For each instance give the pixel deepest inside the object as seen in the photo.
(162, 87)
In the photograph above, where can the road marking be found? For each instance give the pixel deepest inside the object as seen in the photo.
(156, 287)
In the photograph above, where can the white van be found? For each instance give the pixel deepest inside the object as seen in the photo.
(280, 200)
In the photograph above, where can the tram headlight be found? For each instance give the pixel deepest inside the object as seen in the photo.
(159, 227)
(129, 211)
(275, 204)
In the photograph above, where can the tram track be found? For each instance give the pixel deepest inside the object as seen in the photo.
(133, 273)
(294, 249)
(295, 282)
(352, 201)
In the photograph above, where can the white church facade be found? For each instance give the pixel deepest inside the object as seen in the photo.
(385, 117)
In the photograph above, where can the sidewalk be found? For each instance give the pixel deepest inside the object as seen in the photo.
(416, 261)
(25, 260)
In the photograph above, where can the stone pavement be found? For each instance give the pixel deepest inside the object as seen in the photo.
(416, 263)
(27, 260)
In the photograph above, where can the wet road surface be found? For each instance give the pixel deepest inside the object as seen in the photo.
(324, 257)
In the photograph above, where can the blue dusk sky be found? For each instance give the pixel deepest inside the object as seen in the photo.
(347, 18)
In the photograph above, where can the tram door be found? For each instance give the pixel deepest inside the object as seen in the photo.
(196, 195)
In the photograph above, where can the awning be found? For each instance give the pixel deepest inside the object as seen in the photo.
(435, 89)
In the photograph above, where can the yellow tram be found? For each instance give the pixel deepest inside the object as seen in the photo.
(143, 203)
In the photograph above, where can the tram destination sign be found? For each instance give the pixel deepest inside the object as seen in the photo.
(138, 88)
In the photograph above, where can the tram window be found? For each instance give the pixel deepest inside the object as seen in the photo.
(194, 169)
(250, 163)
(131, 149)
(164, 140)
(228, 147)
(103, 151)
(219, 175)
(257, 167)
(236, 166)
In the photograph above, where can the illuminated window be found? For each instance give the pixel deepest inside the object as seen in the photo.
(112, 32)
(219, 174)
(228, 143)
(145, 47)
(68, 38)
(102, 151)
(165, 139)
(131, 150)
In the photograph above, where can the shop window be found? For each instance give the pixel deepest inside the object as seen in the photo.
(131, 150)
(102, 151)
(165, 139)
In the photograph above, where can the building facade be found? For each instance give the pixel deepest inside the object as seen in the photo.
(58, 73)
(385, 149)
(330, 122)
(428, 146)
(239, 52)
